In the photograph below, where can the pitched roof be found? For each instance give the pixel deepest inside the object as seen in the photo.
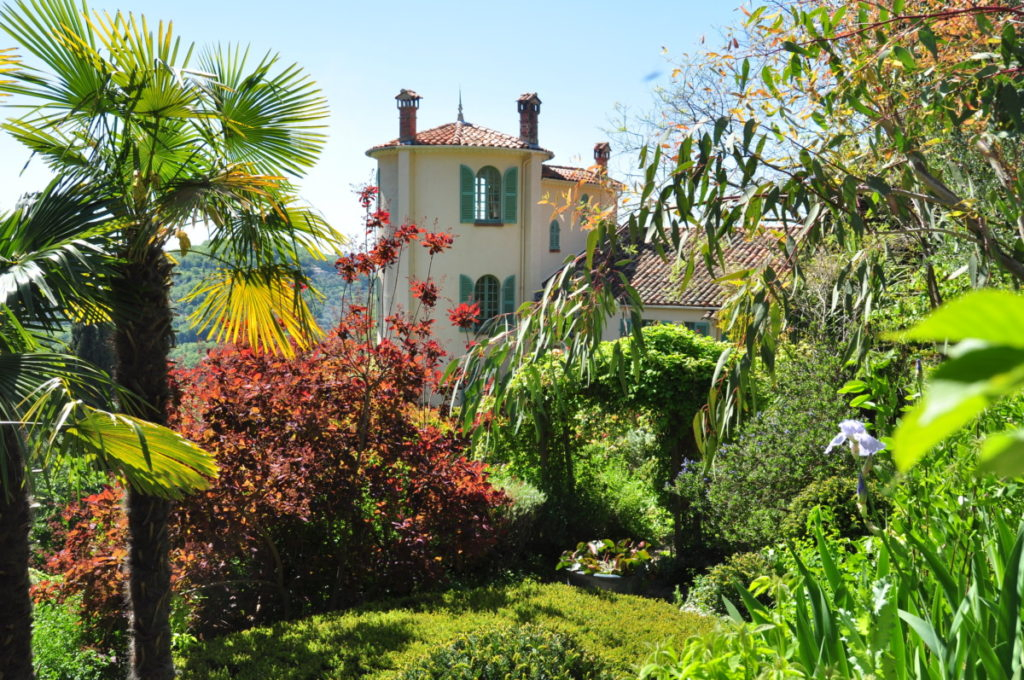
(464, 134)
(657, 280)
(569, 174)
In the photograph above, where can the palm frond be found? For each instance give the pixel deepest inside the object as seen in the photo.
(31, 383)
(262, 308)
(217, 196)
(8, 63)
(151, 458)
(58, 35)
(56, 149)
(48, 395)
(280, 236)
(269, 117)
(52, 255)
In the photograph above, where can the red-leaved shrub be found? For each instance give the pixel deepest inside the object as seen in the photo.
(323, 497)
(337, 481)
(91, 533)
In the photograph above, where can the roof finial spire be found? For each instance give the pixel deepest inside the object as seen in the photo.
(460, 119)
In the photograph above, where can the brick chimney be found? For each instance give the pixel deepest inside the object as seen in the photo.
(602, 152)
(408, 102)
(529, 109)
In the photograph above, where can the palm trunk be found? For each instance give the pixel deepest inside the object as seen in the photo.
(15, 604)
(143, 340)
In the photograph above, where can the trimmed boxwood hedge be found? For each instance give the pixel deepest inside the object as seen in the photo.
(379, 641)
(520, 653)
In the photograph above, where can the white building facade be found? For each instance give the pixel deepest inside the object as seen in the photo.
(514, 217)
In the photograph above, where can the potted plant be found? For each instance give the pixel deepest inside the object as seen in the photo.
(606, 565)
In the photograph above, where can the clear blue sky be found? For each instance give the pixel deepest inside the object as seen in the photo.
(580, 57)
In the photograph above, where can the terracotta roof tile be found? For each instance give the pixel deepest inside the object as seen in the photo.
(464, 134)
(569, 174)
(657, 280)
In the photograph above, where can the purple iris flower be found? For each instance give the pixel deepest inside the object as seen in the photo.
(861, 442)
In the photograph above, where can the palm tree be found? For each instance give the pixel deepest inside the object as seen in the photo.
(51, 263)
(171, 143)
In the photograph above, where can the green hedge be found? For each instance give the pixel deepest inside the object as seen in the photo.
(379, 641)
(521, 653)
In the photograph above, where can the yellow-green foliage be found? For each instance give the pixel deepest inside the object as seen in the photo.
(520, 653)
(376, 642)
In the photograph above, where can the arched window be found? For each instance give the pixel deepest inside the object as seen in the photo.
(486, 293)
(488, 195)
(554, 237)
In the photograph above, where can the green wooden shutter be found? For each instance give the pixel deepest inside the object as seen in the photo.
(508, 295)
(465, 288)
(554, 236)
(511, 198)
(466, 180)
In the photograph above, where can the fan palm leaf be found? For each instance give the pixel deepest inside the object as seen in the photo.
(47, 395)
(270, 119)
(8, 63)
(50, 258)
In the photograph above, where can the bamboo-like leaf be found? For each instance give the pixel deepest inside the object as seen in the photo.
(1009, 647)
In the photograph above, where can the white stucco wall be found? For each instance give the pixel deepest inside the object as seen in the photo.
(421, 184)
(558, 200)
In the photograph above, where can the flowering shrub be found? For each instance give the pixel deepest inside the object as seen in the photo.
(465, 315)
(336, 483)
(329, 491)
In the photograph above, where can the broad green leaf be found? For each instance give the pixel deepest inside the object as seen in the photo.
(905, 57)
(853, 386)
(927, 38)
(926, 632)
(959, 390)
(994, 316)
(1003, 454)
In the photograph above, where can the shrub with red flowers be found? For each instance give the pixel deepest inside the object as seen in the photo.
(465, 315)
(329, 491)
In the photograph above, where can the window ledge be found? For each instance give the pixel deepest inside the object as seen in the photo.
(554, 250)
(489, 223)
